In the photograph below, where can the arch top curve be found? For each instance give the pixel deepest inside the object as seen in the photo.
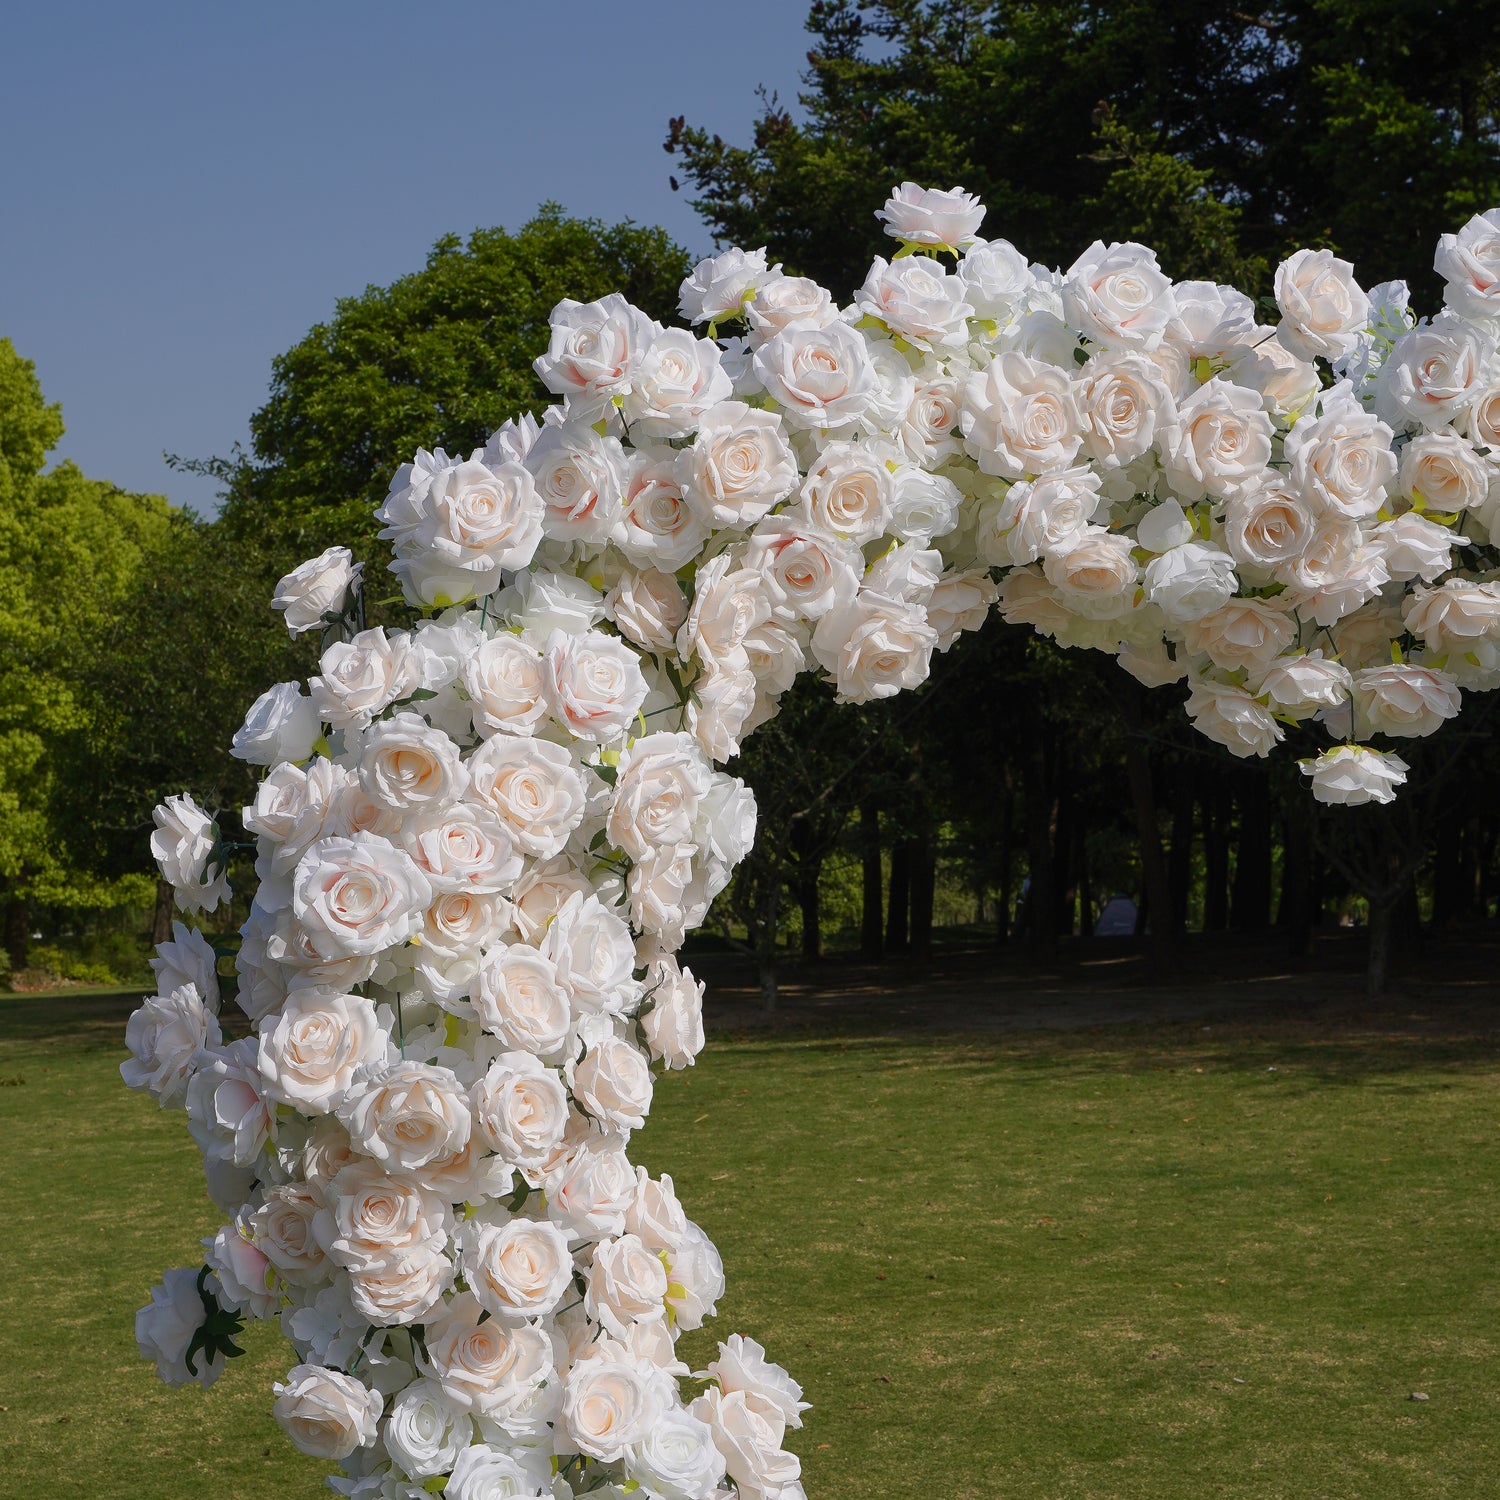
(481, 841)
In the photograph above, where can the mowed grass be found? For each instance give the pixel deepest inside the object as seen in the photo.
(1161, 1262)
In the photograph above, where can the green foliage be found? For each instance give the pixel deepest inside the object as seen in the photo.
(440, 357)
(1222, 137)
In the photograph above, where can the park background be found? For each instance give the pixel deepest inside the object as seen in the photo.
(1308, 1174)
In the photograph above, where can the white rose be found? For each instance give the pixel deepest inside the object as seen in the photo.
(1211, 321)
(593, 954)
(729, 601)
(1094, 577)
(595, 350)
(1046, 515)
(282, 725)
(316, 588)
(166, 1325)
(533, 787)
(186, 958)
(580, 476)
(611, 1083)
(849, 492)
(165, 1035)
(1286, 384)
(748, 1434)
(1402, 700)
(226, 1115)
(1327, 553)
(593, 684)
(181, 844)
(960, 602)
(1122, 399)
(540, 893)
(1341, 461)
(326, 1413)
(738, 466)
(720, 285)
(1021, 417)
(661, 780)
(677, 1457)
(518, 998)
(932, 216)
(519, 1270)
(659, 527)
(1413, 546)
(455, 524)
(589, 1195)
(923, 505)
(1231, 717)
(625, 1282)
(485, 1473)
(503, 679)
(1469, 262)
(408, 1116)
(361, 677)
(742, 1366)
(1352, 774)
(1149, 663)
(1266, 526)
(821, 378)
(1118, 297)
(310, 1053)
(1434, 373)
(355, 897)
(540, 602)
(648, 609)
(283, 1229)
(1297, 687)
(679, 378)
(1164, 527)
(787, 300)
(1323, 309)
(407, 765)
(1190, 581)
(720, 711)
(874, 647)
(1442, 471)
(402, 1290)
(917, 300)
(996, 279)
(697, 1279)
(611, 1402)
(1451, 619)
(369, 1221)
(521, 1109)
(812, 568)
(426, 1431)
(459, 923)
(462, 848)
(1218, 442)
(485, 1366)
(673, 1025)
(1242, 633)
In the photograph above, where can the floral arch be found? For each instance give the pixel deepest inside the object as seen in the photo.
(480, 842)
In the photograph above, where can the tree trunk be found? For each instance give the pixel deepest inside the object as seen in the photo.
(1447, 873)
(899, 898)
(1252, 867)
(1157, 897)
(161, 919)
(923, 892)
(765, 947)
(1064, 847)
(1041, 901)
(809, 899)
(1002, 906)
(18, 932)
(1215, 806)
(1180, 866)
(1378, 959)
(871, 923)
(1294, 915)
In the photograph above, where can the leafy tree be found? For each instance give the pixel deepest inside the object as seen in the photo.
(1221, 136)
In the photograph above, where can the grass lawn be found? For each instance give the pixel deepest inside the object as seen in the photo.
(1160, 1262)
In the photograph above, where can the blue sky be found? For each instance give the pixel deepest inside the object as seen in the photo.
(186, 188)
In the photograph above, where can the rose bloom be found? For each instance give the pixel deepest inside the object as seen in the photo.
(1434, 373)
(677, 1456)
(533, 787)
(611, 1083)
(316, 588)
(462, 848)
(165, 1327)
(407, 765)
(729, 602)
(593, 954)
(595, 350)
(485, 1366)
(1469, 262)
(181, 844)
(1021, 417)
(580, 476)
(541, 893)
(1242, 633)
(165, 1035)
(369, 1220)
(503, 679)
(1149, 663)
(1122, 400)
(1350, 775)
(485, 1473)
(849, 491)
(1285, 383)
(1231, 717)
(821, 378)
(813, 568)
(589, 1195)
(918, 301)
(518, 998)
(1095, 577)
(402, 1290)
(1027, 598)
(661, 780)
(932, 216)
(1341, 462)
(1190, 581)
(518, 1270)
(748, 1433)
(1266, 526)
(1403, 701)
(678, 379)
(593, 684)
(358, 896)
(1323, 309)
(874, 647)
(1444, 472)
(1452, 618)
(312, 1050)
(227, 1116)
(738, 466)
(624, 1284)
(742, 1366)
(720, 285)
(1413, 546)
(1297, 687)
(1118, 297)
(326, 1413)
(673, 1026)
(659, 527)
(187, 958)
(960, 602)
(786, 300)
(1218, 443)
(282, 725)
(1050, 514)
(521, 1109)
(609, 1403)
(408, 1116)
(648, 609)
(426, 1430)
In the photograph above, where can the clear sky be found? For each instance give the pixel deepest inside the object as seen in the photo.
(186, 188)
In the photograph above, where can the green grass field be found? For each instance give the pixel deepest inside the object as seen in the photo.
(1156, 1262)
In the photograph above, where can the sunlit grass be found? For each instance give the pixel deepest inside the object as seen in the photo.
(1162, 1263)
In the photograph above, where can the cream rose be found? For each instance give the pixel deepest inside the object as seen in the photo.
(408, 1116)
(625, 1283)
(1323, 309)
(611, 1083)
(1218, 443)
(738, 467)
(1402, 700)
(326, 1413)
(1118, 297)
(1242, 633)
(874, 647)
(361, 677)
(1021, 417)
(165, 1035)
(533, 787)
(486, 1366)
(521, 1109)
(648, 609)
(407, 765)
(1094, 577)
(1231, 717)
(518, 1270)
(610, 1403)
(316, 588)
(355, 897)
(593, 684)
